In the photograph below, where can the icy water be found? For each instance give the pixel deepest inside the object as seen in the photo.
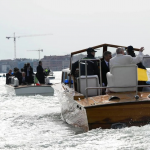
(34, 123)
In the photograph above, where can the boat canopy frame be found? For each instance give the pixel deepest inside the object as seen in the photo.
(104, 48)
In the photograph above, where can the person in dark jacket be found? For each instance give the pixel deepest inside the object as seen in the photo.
(105, 66)
(92, 67)
(28, 73)
(8, 75)
(18, 75)
(130, 52)
(40, 73)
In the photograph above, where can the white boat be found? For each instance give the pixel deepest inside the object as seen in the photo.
(51, 75)
(45, 90)
(32, 89)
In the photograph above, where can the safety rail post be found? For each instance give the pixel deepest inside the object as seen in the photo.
(100, 73)
(70, 72)
(86, 76)
(79, 68)
(136, 84)
(86, 71)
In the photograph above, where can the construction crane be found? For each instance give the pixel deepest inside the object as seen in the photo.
(14, 37)
(39, 50)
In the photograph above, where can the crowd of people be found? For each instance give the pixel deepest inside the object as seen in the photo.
(108, 62)
(26, 75)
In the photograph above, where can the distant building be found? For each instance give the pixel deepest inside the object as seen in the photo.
(5, 68)
(7, 64)
(56, 63)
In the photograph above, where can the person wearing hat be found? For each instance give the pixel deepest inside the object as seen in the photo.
(92, 67)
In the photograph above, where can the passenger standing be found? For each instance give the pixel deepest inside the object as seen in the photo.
(40, 73)
(18, 75)
(92, 67)
(23, 76)
(105, 67)
(29, 73)
(8, 75)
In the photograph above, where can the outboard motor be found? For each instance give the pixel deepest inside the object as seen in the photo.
(47, 80)
(16, 82)
(12, 80)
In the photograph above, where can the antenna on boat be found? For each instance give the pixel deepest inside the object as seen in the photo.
(14, 37)
(39, 50)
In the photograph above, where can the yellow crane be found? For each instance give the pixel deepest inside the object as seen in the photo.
(14, 37)
(39, 50)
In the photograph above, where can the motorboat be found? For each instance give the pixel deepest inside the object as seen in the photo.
(83, 105)
(30, 89)
(51, 75)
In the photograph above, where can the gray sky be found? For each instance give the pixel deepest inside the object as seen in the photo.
(75, 25)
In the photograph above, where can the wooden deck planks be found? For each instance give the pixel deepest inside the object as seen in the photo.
(104, 99)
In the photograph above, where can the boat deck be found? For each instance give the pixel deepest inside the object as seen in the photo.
(104, 99)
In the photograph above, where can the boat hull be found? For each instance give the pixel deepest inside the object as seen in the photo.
(72, 112)
(105, 116)
(32, 90)
(129, 113)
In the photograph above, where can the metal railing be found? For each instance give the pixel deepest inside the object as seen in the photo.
(86, 90)
(81, 62)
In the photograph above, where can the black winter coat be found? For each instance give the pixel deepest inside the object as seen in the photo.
(92, 67)
(104, 69)
(30, 77)
(40, 74)
(7, 78)
(19, 76)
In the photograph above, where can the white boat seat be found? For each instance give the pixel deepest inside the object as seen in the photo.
(122, 76)
(92, 81)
